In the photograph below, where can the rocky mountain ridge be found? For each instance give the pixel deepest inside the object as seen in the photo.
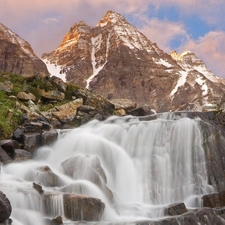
(117, 61)
(17, 55)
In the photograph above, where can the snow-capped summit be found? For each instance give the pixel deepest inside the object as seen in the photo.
(110, 17)
(117, 61)
(17, 56)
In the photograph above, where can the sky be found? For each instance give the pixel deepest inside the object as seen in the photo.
(194, 25)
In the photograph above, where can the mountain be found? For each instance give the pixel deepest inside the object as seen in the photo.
(17, 56)
(115, 60)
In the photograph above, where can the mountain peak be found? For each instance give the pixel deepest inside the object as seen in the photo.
(111, 17)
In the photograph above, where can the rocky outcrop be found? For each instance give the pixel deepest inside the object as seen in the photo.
(17, 56)
(5, 207)
(214, 200)
(82, 208)
(176, 209)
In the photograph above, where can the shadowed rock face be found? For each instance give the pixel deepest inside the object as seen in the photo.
(17, 56)
(115, 60)
(5, 207)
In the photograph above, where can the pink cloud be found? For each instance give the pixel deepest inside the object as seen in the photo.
(211, 50)
(163, 32)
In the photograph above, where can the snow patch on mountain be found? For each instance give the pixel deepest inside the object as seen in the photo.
(163, 62)
(96, 44)
(180, 82)
(55, 70)
(203, 84)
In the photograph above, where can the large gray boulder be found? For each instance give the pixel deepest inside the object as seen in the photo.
(5, 207)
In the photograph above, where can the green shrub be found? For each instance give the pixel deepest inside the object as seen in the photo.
(10, 117)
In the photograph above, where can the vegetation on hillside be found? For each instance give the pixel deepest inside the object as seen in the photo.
(10, 114)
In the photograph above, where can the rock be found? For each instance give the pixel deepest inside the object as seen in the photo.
(67, 112)
(9, 146)
(32, 141)
(18, 134)
(86, 108)
(57, 220)
(61, 85)
(214, 200)
(125, 104)
(7, 86)
(85, 167)
(4, 158)
(48, 137)
(97, 102)
(73, 105)
(82, 208)
(38, 188)
(120, 112)
(137, 112)
(25, 97)
(5, 207)
(89, 168)
(22, 155)
(176, 209)
(48, 178)
(52, 95)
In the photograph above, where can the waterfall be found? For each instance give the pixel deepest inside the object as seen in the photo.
(144, 164)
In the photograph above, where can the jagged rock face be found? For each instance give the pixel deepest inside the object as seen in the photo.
(17, 56)
(117, 61)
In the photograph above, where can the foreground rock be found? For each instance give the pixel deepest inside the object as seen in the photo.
(214, 200)
(176, 209)
(82, 208)
(76, 207)
(5, 207)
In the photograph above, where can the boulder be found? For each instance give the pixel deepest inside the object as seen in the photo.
(47, 177)
(9, 146)
(85, 167)
(5, 207)
(66, 113)
(4, 158)
(120, 112)
(18, 134)
(97, 102)
(82, 208)
(38, 188)
(214, 200)
(48, 137)
(88, 168)
(73, 105)
(52, 95)
(57, 220)
(22, 155)
(25, 97)
(32, 141)
(61, 85)
(125, 104)
(176, 209)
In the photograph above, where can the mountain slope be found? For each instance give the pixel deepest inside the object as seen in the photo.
(115, 60)
(17, 56)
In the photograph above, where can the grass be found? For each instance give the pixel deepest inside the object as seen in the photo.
(10, 116)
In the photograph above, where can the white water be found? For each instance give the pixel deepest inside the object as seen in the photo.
(148, 165)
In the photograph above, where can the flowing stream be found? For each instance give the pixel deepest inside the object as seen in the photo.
(145, 165)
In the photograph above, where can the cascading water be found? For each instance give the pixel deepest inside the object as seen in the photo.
(142, 166)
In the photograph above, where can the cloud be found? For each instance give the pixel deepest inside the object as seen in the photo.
(163, 32)
(211, 49)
